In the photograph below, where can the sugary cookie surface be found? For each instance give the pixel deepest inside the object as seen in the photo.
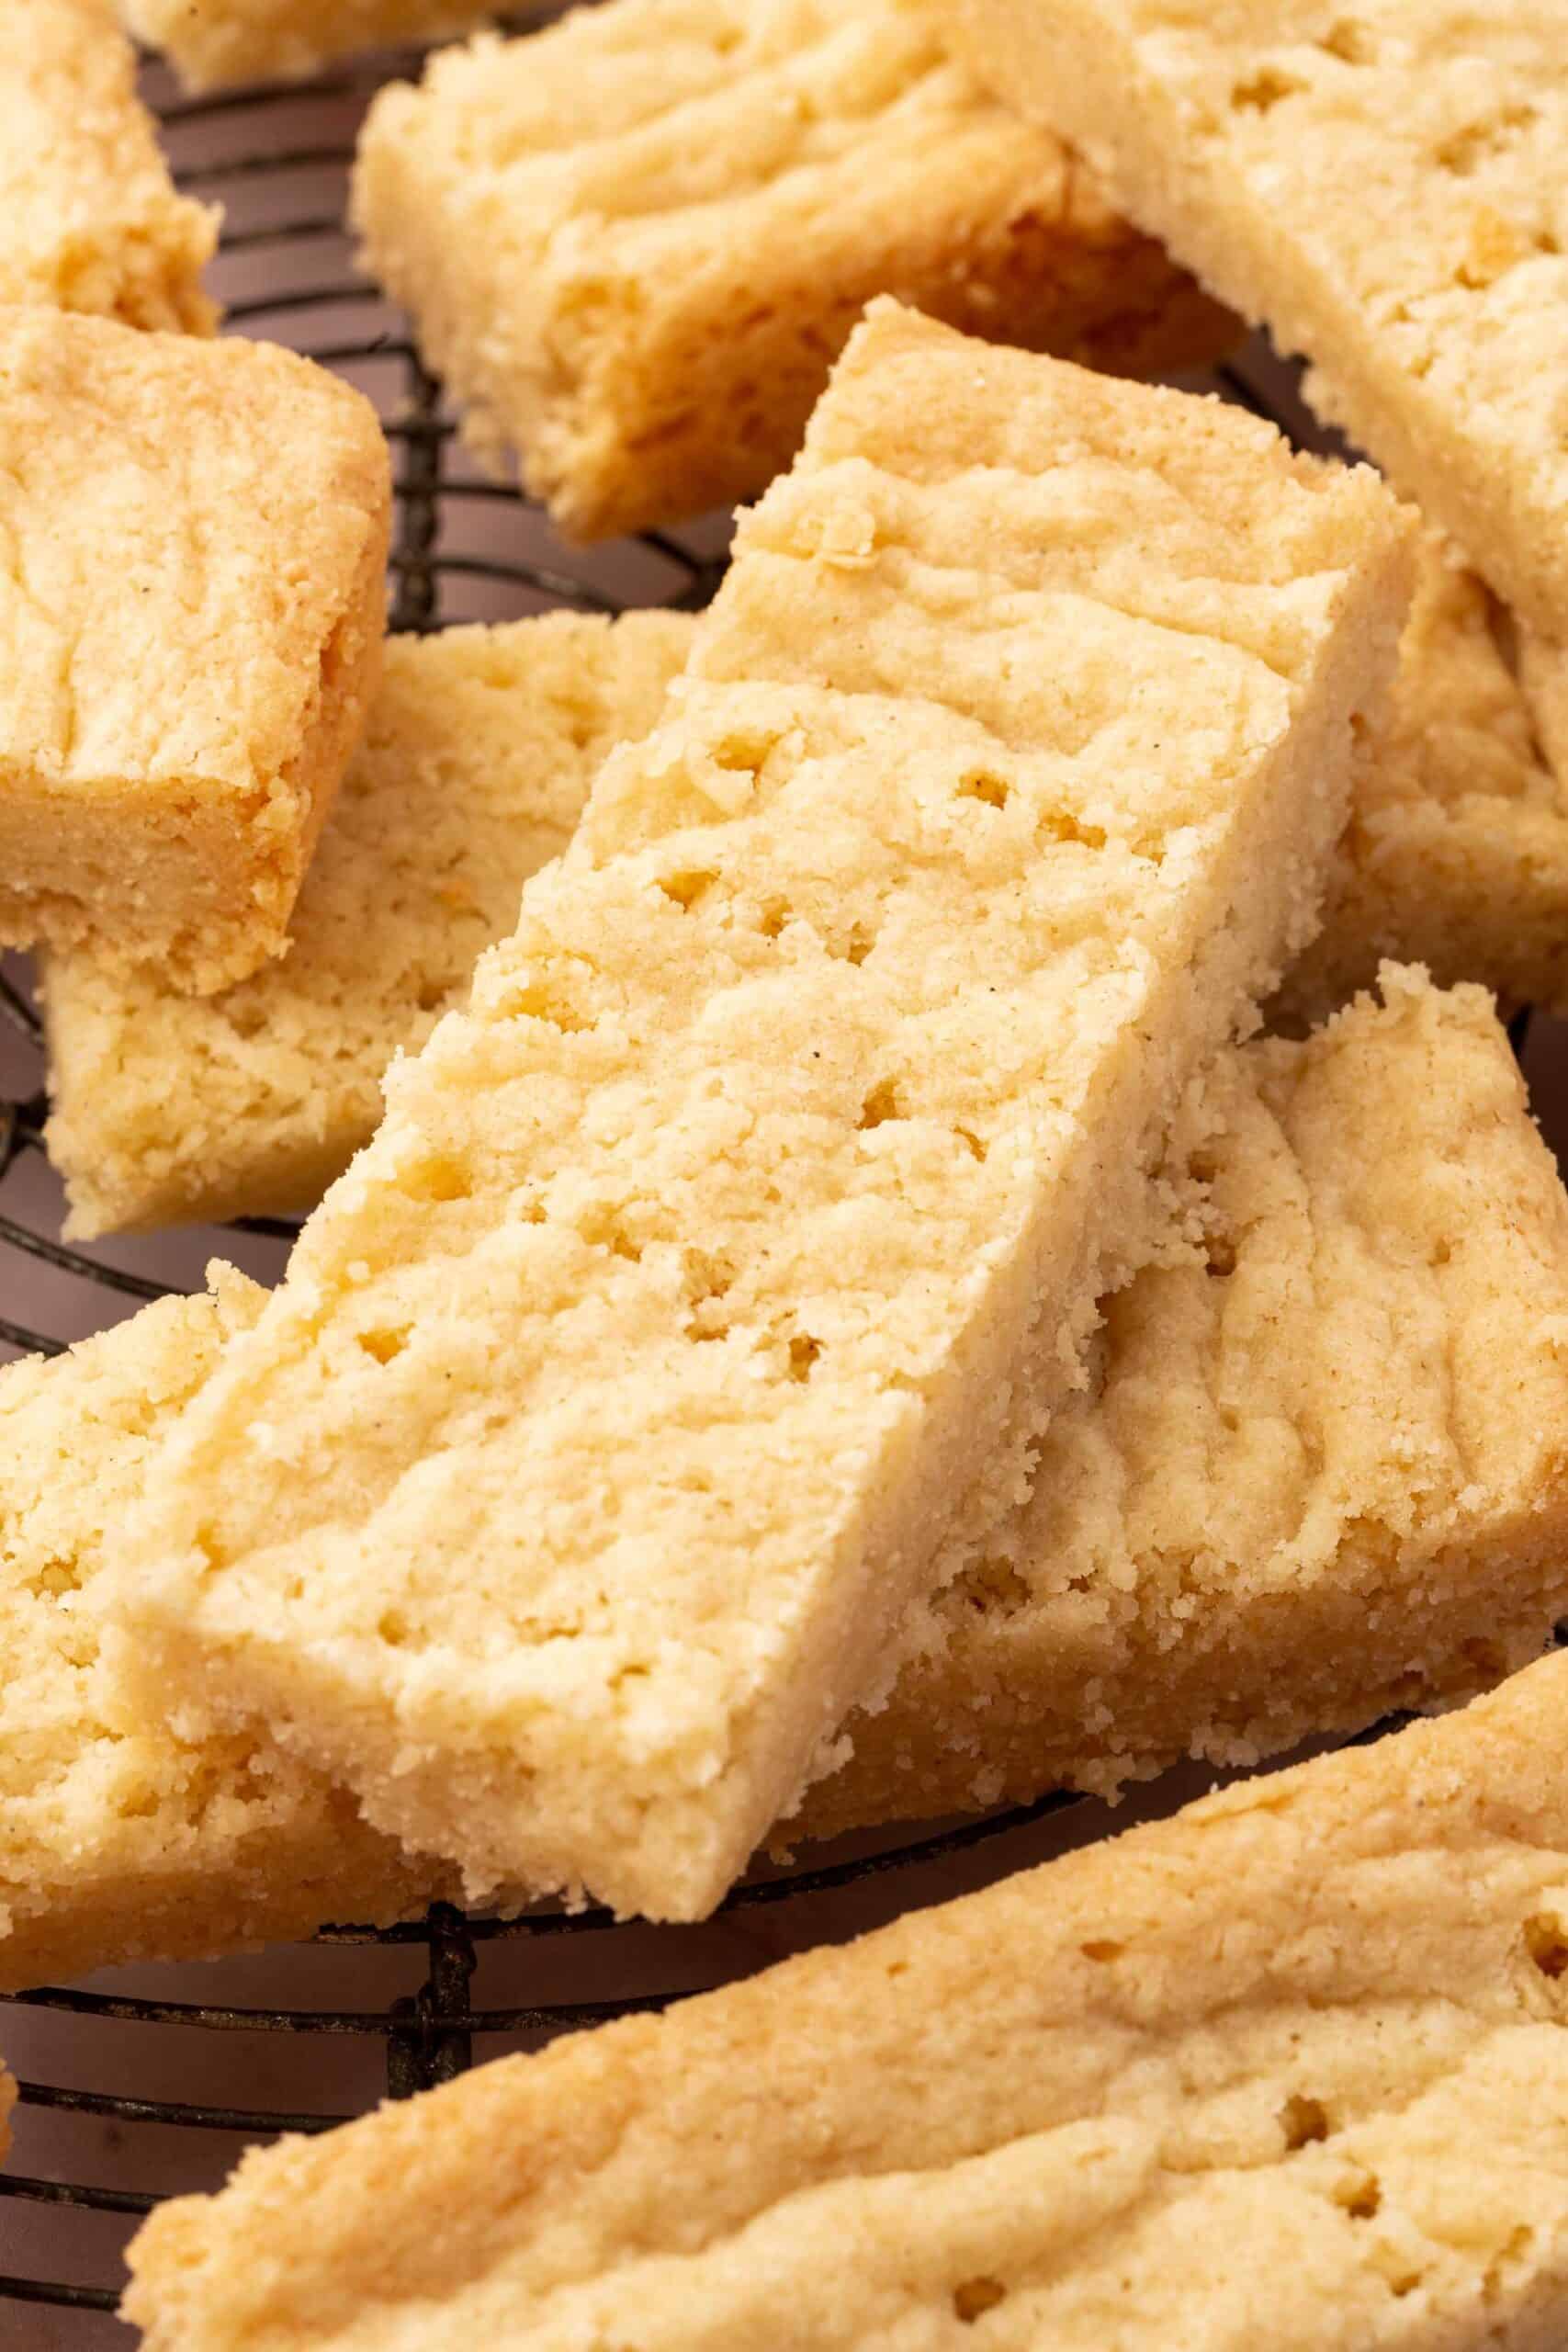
(775, 1165)
(191, 605)
(92, 220)
(478, 756)
(1384, 185)
(634, 244)
(1310, 2030)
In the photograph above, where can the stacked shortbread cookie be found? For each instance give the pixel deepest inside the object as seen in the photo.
(824, 1311)
(756, 1205)
(1155, 1598)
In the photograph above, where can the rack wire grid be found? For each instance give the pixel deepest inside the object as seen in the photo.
(465, 548)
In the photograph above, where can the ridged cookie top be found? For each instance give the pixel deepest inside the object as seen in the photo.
(182, 525)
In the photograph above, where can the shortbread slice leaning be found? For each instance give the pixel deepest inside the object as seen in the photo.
(1385, 187)
(479, 750)
(1178, 1584)
(120, 1838)
(1456, 854)
(191, 605)
(213, 42)
(565, 1495)
(1323, 1474)
(92, 220)
(633, 244)
(1289, 2069)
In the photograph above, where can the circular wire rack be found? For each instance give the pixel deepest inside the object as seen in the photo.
(465, 548)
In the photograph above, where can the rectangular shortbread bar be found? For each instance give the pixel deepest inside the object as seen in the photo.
(119, 1839)
(1179, 1582)
(190, 615)
(1322, 1474)
(477, 758)
(1456, 856)
(92, 222)
(634, 244)
(1287, 2070)
(1385, 187)
(211, 43)
(565, 1495)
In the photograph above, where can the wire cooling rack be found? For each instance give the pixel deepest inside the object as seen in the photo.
(465, 548)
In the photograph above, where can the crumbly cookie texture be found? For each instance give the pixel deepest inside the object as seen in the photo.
(91, 219)
(1291, 2068)
(1322, 1474)
(211, 43)
(565, 1496)
(1385, 187)
(634, 244)
(120, 1839)
(477, 758)
(190, 613)
(1456, 856)
(1269, 1520)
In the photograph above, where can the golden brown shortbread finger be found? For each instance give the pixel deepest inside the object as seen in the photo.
(1289, 2069)
(213, 42)
(1385, 187)
(761, 1198)
(191, 607)
(634, 244)
(92, 220)
(478, 756)
(120, 1839)
(1322, 1473)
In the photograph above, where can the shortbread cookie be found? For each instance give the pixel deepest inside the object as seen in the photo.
(1182, 1581)
(477, 761)
(91, 218)
(1289, 2069)
(633, 245)
(191, 615)
(1456, 856)
(120, 1838)
(210, 42)
(1385, 187)
(1322, 1474)
(565, 1496)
